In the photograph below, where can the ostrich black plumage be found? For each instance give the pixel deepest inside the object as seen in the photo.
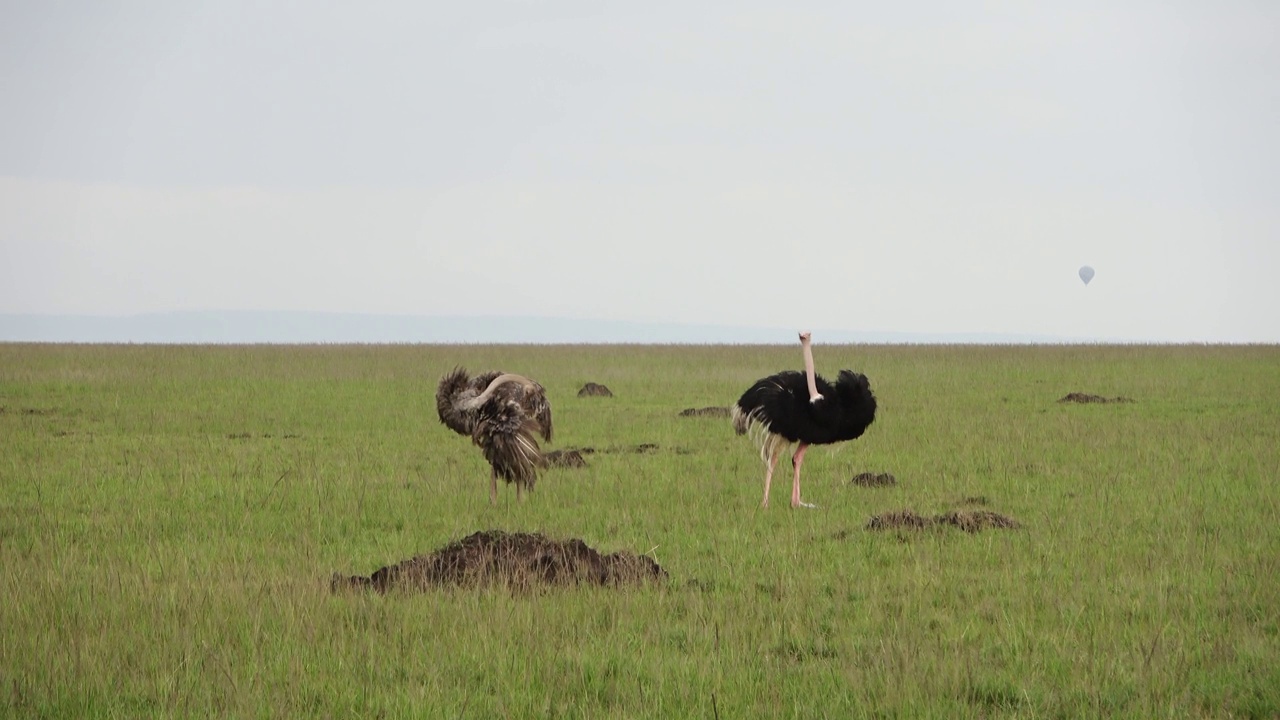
(793, 407)
(502, 413)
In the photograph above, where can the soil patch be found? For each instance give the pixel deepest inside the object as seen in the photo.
(705, 586)
(867, 479)
(517, 560)
(266, 436)
(968, 520)
(640, 449)
(30, 411)
(565, 459)
(1087, 398)
(717, 412)
(595, 390)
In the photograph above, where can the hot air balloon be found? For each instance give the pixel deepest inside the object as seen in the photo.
(1086, 274)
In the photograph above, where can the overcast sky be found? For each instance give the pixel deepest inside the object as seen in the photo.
(913, 167)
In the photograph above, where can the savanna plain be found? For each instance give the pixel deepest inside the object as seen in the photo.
(171, 517)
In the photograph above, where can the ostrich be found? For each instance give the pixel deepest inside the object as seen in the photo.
(502, 413)
(792, 407)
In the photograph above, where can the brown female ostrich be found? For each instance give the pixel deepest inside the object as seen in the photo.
(791, 407)
(502, 413)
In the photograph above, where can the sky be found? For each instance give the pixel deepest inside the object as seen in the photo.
(927, 167)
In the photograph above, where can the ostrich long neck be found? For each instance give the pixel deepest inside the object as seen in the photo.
(808, 369)
(483, 397)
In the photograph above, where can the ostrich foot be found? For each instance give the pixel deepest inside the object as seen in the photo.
(803, 504)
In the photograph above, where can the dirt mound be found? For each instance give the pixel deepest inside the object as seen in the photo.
(899, 519)
(595, 390)
(867, 479)
(968, 520)
(565, 459)
(1087, 398)
(517, 560)
(717, 412)
(975, 520)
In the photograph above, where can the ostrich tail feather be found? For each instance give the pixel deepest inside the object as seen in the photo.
(756, 425)
(514, 454)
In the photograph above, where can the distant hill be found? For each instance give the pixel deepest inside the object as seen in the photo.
(313, 327)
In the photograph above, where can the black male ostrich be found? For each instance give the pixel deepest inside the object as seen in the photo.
(794, 407)
(502, 413)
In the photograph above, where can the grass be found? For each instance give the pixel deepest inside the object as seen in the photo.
(170, 517)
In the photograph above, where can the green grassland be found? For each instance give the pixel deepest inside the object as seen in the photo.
(170, 518)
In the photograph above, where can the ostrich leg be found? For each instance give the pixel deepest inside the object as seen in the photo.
(493, 486)
(768, 473)
(797, 460)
